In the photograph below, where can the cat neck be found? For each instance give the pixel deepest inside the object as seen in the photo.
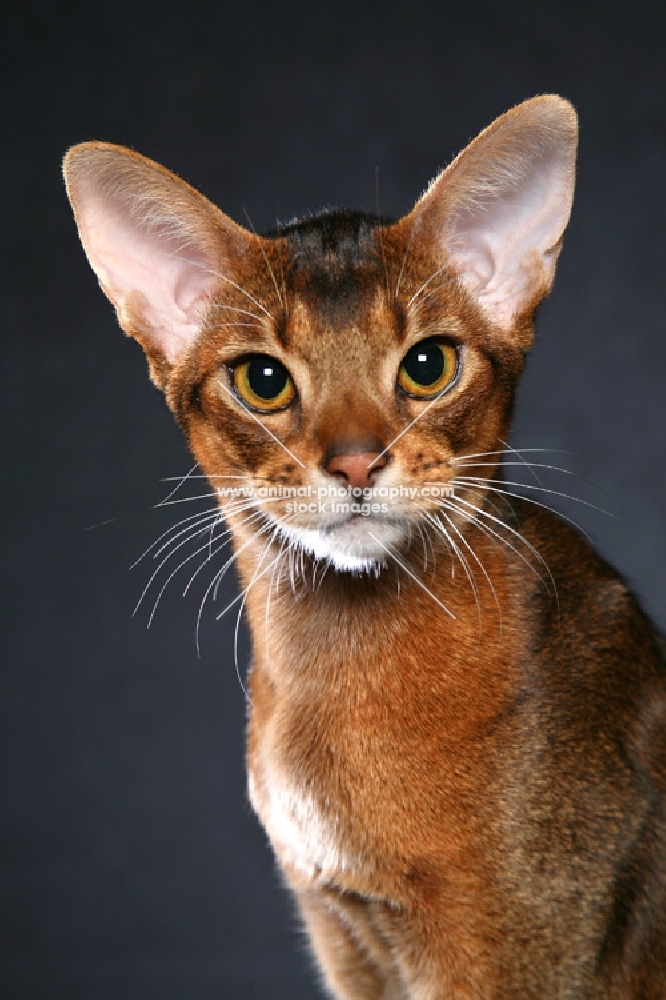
(339, 639)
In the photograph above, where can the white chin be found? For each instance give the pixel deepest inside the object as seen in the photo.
(357, 545)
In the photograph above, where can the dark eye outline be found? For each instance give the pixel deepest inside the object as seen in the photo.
(442, 342)
(257, 403)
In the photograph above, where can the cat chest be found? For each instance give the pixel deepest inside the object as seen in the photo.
(309, 836)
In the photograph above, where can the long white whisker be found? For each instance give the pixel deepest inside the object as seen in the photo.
(203, 475)
(268, 596)
(243, 592)
(205, 519)
(516, 534)
(485, 487)
(243, 312)
(524, 465)
(173, 527)
(221, 545)
(240, 610)
(217, 579)
(260, 422)
(541, 489)
(193, 534)
(425, 284)
(268, 263)
(182, 480)
(200, 496)
(404, 261)
(479, 564)
(507, 451)
(410, 574)
(408, 427)
(437, 524)
(528, 465)
(168, 580)
(223, 277)
(493, 535)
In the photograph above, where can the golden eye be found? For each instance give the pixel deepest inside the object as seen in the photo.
(428, 368)
(264, 383)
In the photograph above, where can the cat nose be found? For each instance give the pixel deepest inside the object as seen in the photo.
(357, 469)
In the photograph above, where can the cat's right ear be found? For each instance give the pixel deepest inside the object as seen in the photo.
(158, 247)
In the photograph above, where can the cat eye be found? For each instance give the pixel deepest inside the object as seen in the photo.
(263, 383)
(428, 368)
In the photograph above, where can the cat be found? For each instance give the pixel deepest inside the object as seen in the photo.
(457, 733)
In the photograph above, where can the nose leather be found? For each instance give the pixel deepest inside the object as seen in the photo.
(353, 468)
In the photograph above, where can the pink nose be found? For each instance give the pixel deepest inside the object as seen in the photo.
(354, 468)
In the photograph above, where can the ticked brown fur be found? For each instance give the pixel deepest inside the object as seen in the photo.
(457, 737)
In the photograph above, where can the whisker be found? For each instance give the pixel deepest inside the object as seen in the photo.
(410, 574)
(240, 610)
(280, 262)
(243, 312)
(481, 567)
(260, 422)
(203, 475)
(201, 496)
(516, 534)
(244, 592)
(523, 465)
(437, 524)
(265, 526)
(190, 533)
(173, 527)
(217, 579)
(425, 551)
(224, 277)
(507, 451)
(181, 481)
(542, 489)
(265, 256)
(404, 261)
(268, 598)
(528, 465)
(425, 284)
(206, 520)
(519, 496)
(212, 552)
(193, 534)
(495, 536)
(168, 580)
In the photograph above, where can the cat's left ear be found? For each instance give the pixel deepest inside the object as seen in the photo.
(498, 212)
(159, 248)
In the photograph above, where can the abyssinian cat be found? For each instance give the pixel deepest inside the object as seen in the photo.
(457, 736)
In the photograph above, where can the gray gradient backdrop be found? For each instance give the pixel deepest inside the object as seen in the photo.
(131, 865)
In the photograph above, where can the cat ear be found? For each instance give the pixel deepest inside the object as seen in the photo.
(158, 247)
(498, 212)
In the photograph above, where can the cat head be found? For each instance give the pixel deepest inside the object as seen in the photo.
(330, 375)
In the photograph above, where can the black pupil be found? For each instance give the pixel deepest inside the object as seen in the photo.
(424, 363)
(266, 376)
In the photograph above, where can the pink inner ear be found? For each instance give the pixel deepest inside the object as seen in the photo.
(504, 247)
(501, 207)
(158, 279)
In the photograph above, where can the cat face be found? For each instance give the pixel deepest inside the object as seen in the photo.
(332, 416)
(329, 377)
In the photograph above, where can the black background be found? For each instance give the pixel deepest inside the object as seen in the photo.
(131, 864)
